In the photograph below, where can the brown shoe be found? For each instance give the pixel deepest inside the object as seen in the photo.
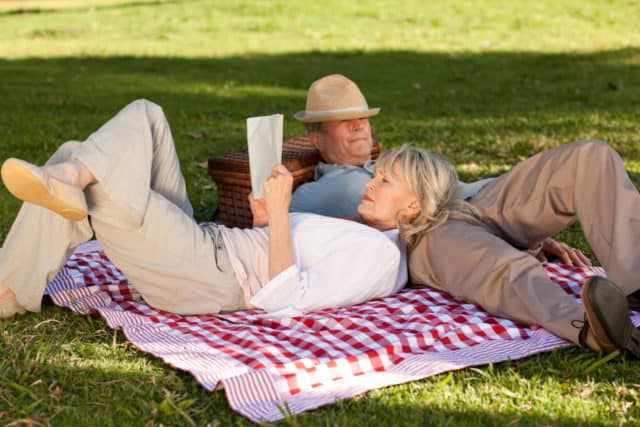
(600, 344)
(634, 301)
(608, 325)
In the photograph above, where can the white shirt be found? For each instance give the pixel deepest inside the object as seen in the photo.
(336, 263)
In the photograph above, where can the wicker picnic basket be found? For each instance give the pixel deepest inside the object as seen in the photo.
(233, 180)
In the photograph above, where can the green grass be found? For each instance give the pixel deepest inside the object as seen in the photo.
(484, 83)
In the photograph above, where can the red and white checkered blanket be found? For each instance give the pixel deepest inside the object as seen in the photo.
(274, 367)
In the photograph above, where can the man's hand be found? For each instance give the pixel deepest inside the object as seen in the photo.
(565, 253)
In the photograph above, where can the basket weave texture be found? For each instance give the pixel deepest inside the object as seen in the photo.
(233, 180)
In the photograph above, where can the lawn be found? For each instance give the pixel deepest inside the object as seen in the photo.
(485, 83)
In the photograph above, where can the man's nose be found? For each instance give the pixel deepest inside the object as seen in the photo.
(356, 124)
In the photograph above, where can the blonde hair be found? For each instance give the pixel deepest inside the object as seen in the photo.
(433, 181)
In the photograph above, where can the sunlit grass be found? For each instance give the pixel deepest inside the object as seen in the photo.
(228, 28)
(486, 84)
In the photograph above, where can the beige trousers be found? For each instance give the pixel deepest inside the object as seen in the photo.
(140, 213)
(481, 261)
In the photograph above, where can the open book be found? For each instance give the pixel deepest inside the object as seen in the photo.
(264, 140)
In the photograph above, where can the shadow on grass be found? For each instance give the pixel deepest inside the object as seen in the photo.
(424, 414)
(509, 393)
(422, 95)
(63, 369)
(68, 369)
(483, 111)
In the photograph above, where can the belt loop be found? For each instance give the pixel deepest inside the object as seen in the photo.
(213, 231)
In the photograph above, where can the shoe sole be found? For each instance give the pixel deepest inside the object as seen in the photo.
(29, 186)
(628, 340)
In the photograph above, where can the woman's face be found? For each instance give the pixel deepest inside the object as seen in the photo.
(387, 199)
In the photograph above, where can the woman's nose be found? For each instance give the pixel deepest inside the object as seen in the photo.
(369, 185)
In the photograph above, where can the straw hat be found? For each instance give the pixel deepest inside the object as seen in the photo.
(334, 97)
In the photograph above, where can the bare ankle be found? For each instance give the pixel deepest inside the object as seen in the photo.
(6, 292)
(9, 305)
(71, 172)
(85, 177)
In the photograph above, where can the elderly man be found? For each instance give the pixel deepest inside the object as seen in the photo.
(510, 282)
(337, 120)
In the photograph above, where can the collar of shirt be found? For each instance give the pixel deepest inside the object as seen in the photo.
(328, 169)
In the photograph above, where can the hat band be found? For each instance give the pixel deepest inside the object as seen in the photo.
(317, 113)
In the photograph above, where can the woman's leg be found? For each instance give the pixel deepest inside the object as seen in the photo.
(168, 258)
(38, 244)
(140, 197)
(132, 154)
(141, 215)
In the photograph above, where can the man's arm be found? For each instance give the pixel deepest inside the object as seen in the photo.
(562, 251)
(337, 195)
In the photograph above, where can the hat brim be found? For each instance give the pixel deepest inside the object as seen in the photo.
(305, 118)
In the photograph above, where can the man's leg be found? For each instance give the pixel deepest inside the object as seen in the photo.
(464, 258)
(583, 181)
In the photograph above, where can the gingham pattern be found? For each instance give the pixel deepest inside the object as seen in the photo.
(301, 363)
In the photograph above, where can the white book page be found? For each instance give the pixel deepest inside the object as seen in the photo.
(264, 140)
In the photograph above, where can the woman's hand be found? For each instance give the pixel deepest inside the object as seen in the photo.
(258, 211)
(277, 197)
(277, 191)
(564, 252)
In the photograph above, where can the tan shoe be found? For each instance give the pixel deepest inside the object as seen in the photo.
(599, 343)
(9, 305)
(32, 184)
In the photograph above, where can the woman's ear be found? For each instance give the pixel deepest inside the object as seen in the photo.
(413, 209)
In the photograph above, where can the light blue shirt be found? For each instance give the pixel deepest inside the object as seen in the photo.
(338, 190)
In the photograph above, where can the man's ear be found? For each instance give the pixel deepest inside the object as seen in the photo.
(319, 140)
(316, 139)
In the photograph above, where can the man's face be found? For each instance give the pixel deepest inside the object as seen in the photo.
(344, 142)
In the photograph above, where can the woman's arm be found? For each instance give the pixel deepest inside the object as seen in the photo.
(335, 276)
(258, 211)
(277, 198)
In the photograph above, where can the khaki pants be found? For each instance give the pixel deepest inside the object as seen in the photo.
(140, 213)
(479, 261)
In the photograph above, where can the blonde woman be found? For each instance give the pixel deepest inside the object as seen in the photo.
(124, 185)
